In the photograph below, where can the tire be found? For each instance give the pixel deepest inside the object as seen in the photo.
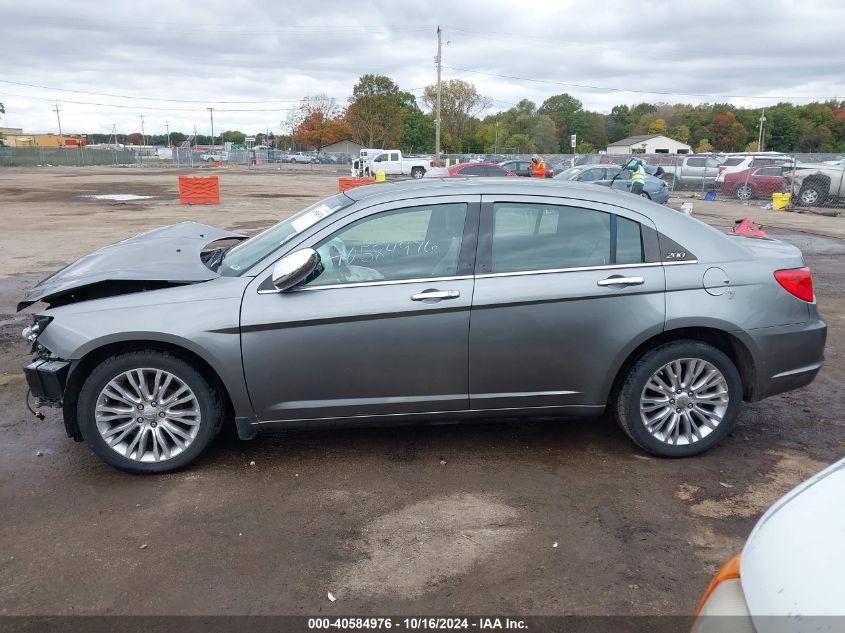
(186, 436)
(744, 192)
(811, 196)
(645, 195)
(293, 161)
(417, 172)
(678, 444)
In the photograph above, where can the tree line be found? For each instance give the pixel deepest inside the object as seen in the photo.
(380, 114)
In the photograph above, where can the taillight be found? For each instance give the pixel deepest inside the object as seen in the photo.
(797, 282)
(431, 163)
(729, 571)
(721, 169)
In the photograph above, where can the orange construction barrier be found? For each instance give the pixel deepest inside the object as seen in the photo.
(347, 183)
(199, 190)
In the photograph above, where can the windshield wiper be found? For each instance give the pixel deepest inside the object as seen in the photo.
(214, 258)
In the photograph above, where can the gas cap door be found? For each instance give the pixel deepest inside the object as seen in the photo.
(716, 281)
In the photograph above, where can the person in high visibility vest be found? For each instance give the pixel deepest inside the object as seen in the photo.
(637, 170)
(538, 167)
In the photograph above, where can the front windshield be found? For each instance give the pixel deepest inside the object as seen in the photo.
(251, 251)
(569, 174)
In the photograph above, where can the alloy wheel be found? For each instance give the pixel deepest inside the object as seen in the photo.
(147, 415)
(684, 401)
(744, 192)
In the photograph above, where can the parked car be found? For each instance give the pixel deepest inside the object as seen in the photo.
(468, 169)
(755, 182)
(813, 184)
(522, 168)
(299, 157)
(394, 163)
(614, 176)
(214, 157)
(688, 170)
(740, 162)
(582, 300)
(789, 574)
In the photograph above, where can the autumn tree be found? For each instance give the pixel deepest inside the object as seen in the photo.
(658, 126)
(703, 146)
(320, 123)
(375, 112)
(727, 133)
(460, 102)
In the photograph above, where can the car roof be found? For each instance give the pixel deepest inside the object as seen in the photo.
(398, 190)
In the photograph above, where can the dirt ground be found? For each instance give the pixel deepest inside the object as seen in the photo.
(418, 520)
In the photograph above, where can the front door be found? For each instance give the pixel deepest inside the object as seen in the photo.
(382, 329)
(564, 292)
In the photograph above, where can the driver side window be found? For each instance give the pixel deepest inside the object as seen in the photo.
(415, 243)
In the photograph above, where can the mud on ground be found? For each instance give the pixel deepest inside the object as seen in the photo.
(454, 519)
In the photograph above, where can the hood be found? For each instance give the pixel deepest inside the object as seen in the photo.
(170, 254)
(792, 563)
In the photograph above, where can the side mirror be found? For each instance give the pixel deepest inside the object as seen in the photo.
(294, 267)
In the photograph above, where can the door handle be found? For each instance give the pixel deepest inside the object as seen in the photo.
(621, 281)
(435, 294)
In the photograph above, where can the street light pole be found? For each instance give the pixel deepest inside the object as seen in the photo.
(437, 113)
(211, 113)
(59, 119)
(760, 133)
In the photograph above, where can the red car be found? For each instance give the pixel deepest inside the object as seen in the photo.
(756, 182)
(468, 169)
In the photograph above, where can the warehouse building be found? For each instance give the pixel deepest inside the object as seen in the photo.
(648, 144)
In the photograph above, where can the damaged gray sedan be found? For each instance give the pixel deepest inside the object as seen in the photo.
(580, 299)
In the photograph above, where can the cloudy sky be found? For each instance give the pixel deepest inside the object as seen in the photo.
(109, 62)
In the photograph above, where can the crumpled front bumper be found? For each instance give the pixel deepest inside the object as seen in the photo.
(47, 380)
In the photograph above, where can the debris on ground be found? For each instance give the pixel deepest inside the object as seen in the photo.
(330, 596)
(554, 544)
(252, 463)
(442, 462)
(143, 546)
(724, 485)
(38, 453)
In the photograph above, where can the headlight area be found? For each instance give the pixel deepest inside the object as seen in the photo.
(723, 608)
(46, 377)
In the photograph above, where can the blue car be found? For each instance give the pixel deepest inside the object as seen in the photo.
(614, 176)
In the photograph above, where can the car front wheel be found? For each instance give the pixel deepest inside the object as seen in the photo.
(148, 411)
(680, 399)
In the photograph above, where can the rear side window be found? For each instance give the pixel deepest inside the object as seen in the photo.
(733, 162)
(495, 171)
(473, 170)
(534, 236)
(696, 162)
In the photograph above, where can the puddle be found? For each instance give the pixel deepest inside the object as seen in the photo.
(118, 197)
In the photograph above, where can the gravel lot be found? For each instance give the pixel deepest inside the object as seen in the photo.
(416, 520)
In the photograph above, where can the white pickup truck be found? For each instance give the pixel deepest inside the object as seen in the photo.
(393, 163)
(212, 157)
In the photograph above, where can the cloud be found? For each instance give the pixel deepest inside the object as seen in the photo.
(276, 53)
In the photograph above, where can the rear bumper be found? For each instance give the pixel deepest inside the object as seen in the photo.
(47, 380)
(790, 356)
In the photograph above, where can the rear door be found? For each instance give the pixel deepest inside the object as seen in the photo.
(564, 291)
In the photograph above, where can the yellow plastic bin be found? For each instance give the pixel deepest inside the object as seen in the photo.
(379, 175)
(780, 200)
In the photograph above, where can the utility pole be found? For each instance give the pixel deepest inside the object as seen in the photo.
(143, 134)
(760, 138)
(437, 109)
(59, 119)
(496, 142)
(211, 113)
(167, 127)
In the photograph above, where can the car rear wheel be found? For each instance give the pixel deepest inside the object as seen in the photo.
(148, 412)
(645, 195)
(810, 196)
(744, 192)
(417, 172)
(680, 399)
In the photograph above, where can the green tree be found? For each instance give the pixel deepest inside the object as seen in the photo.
(375, 111)
(233, 136)
(753, 146)
(460, 103)
(544, 137)
(658, 126)
(519, 144)
(703, 146)
(782, 128)
(567, 113)
(680, 133)
(417, 134)
(584, 148)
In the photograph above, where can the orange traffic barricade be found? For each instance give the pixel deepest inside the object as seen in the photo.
(199, 190)
(347, 183)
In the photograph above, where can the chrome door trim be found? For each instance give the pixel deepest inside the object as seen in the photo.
(621, 281)
(435, 294)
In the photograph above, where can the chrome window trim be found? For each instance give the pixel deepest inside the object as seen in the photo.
(395, 282)
(582, 269)
(359, 284)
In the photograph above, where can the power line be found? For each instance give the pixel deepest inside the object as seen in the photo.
(647, 92)
(137, 107)
(106, 94)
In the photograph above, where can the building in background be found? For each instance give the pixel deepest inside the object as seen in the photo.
(15, 137)
(343, 147)
(649, 144)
